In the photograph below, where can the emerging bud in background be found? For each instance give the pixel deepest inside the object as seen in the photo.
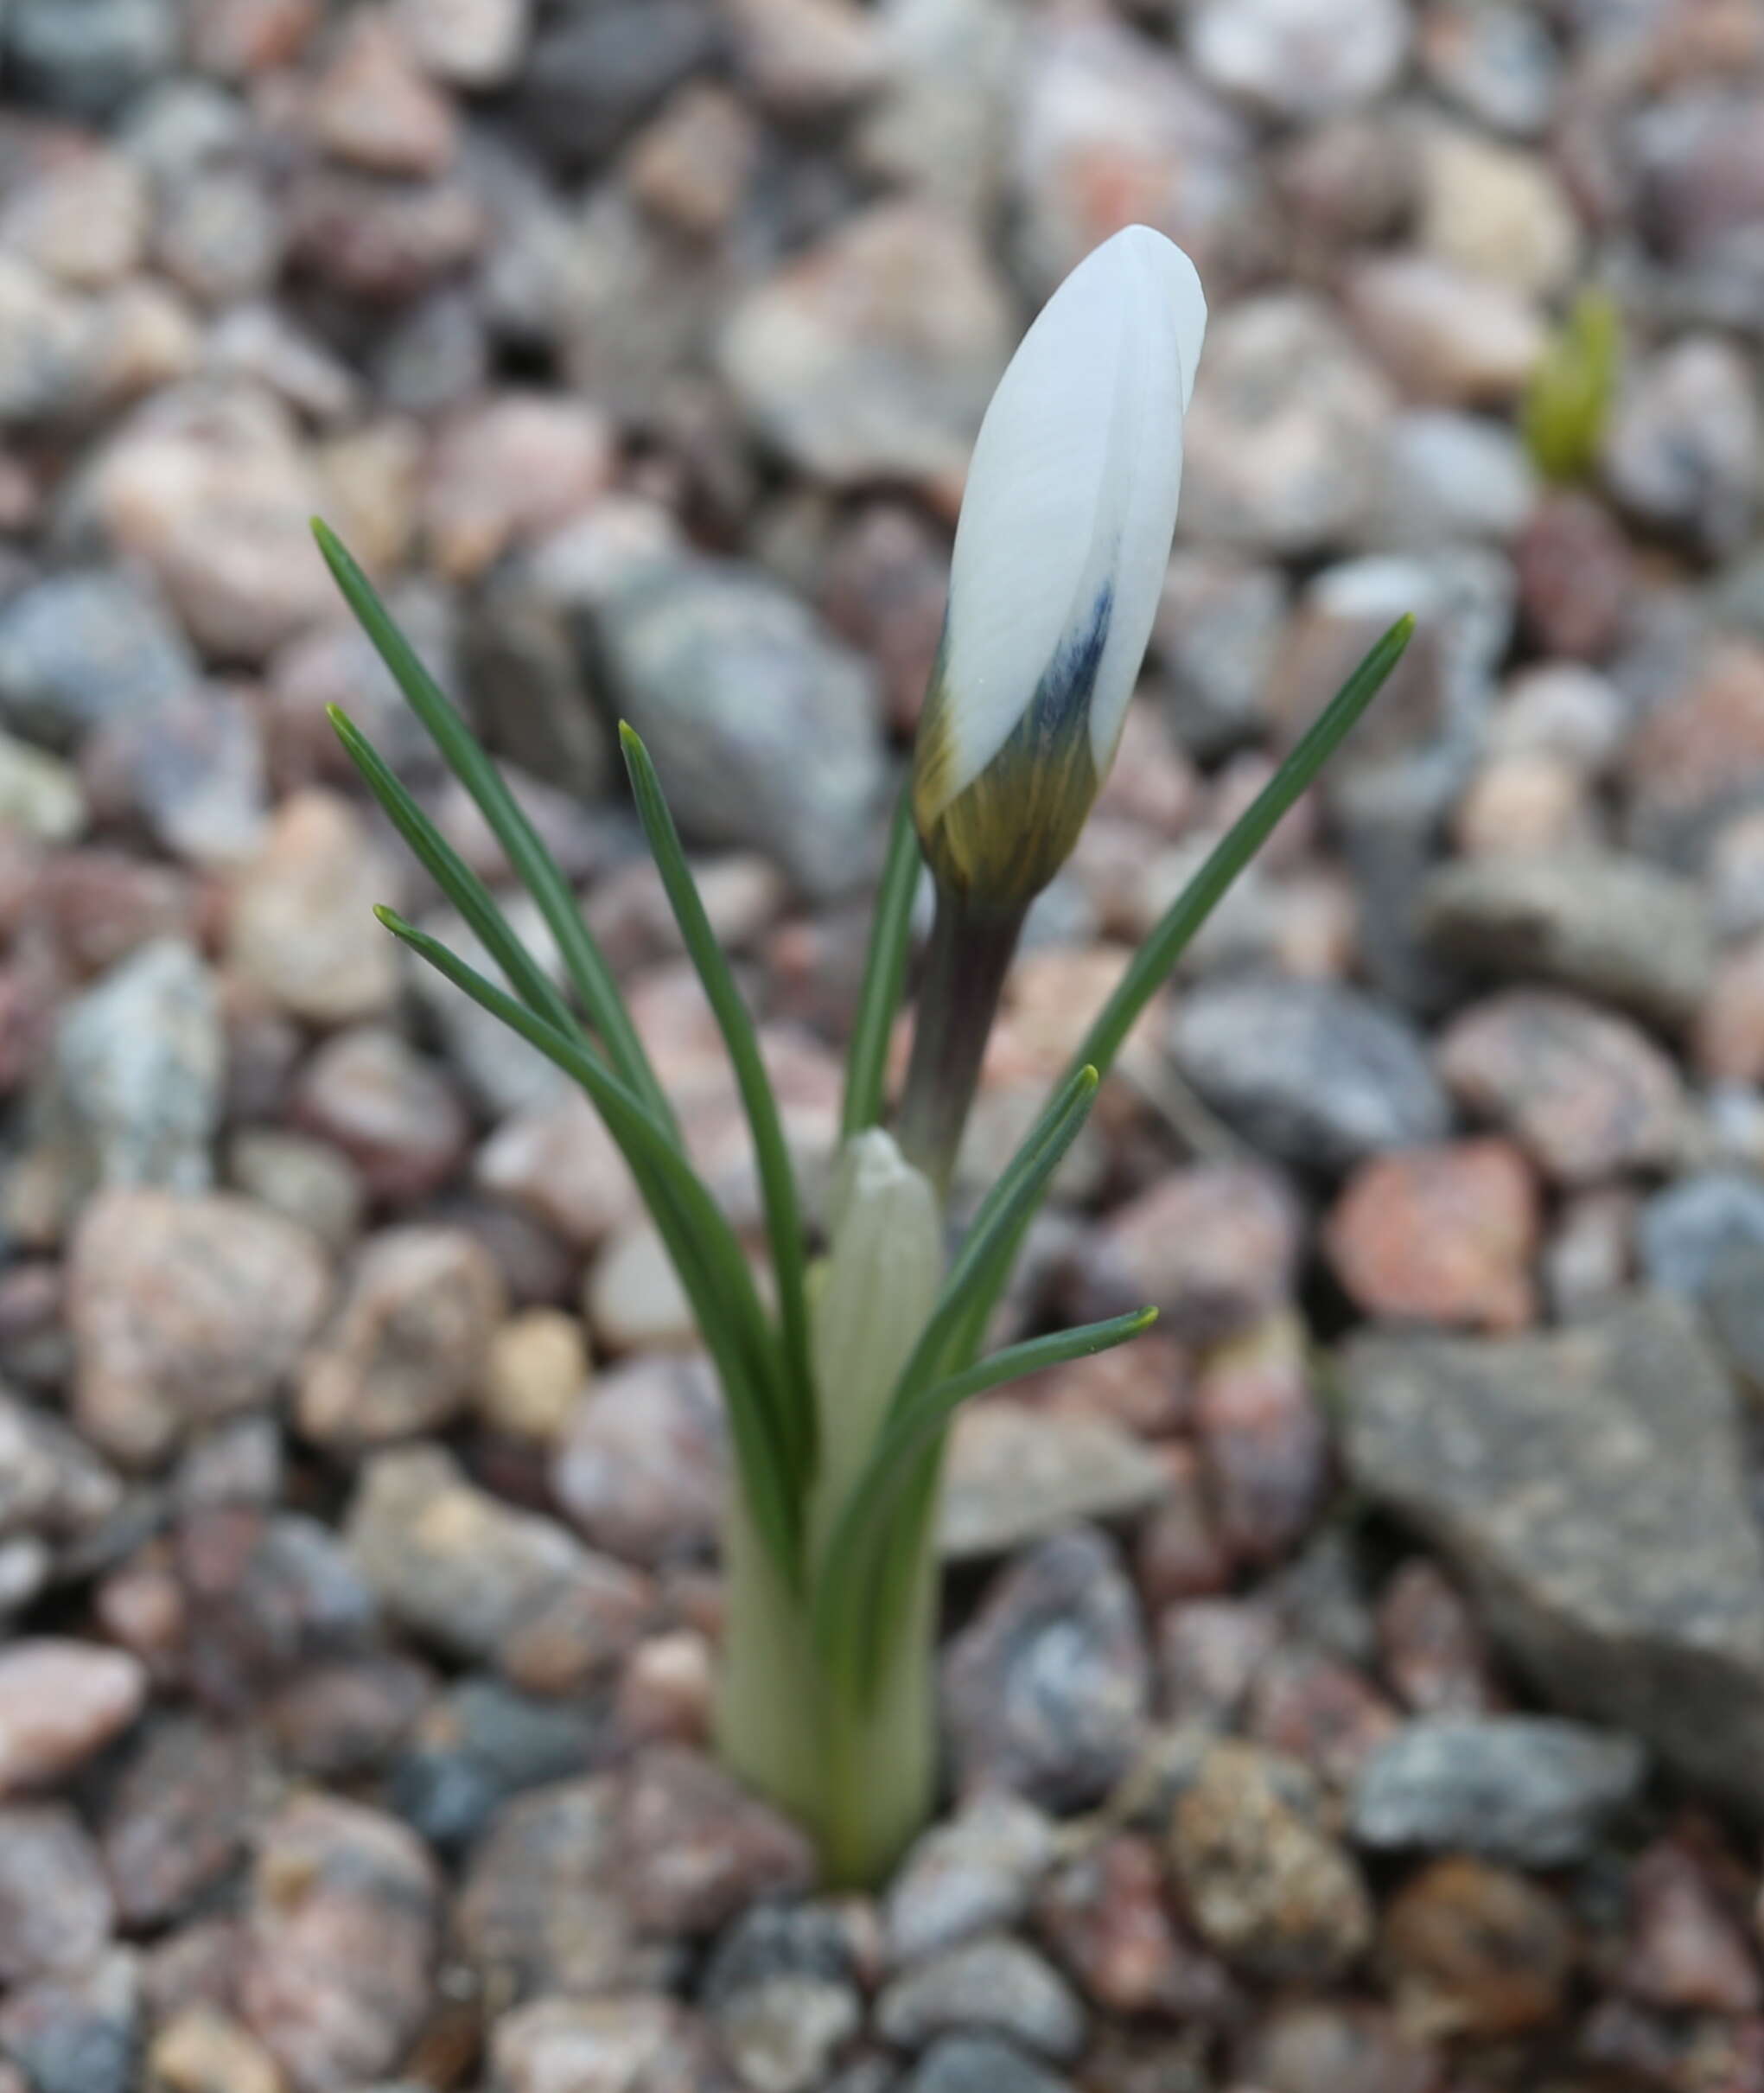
(1567, 407)
(1060, 559)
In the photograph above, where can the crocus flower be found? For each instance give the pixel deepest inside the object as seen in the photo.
(1060, 559)
(1060, 556)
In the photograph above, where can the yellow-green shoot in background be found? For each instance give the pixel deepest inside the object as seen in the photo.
(1567, 405)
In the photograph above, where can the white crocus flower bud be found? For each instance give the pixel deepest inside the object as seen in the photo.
(1060, 558)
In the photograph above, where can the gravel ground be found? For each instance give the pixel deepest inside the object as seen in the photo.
(1357, 1686)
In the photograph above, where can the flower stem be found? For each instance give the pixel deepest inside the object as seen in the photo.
(965, 968)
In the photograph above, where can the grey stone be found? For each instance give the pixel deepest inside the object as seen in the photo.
(634, 305)
(51, 1482)
(1695, 158)
(77, 2032)
(1732, 1297)
(1450, 476)
(519, 1740)
(56, 1911)
(772, 1940)
(1420, 740)
(49, 345)
(1683, 451)
(779, 1991)
(764, 730)
(80, 650)
(1613, 928)
(845, 367)
(635, 2041)
(1285, 443)
(1016, 1475)
(1315, 1073)
(1099, 102)
(40, 795)
(85, 56)
(1388, 819)
(1587, 1092)
(1302, 60)
(976, 1873)
(135, 1080)
(1533, 1791)
(437, 355)
(943, 122)
(477, 1576)
(980, 2063)
(867, 2074)
(1217, 633)
(1688, 1233)
(195, 771)
(996, 1986)
(642, 1468)
(1496, 58)
(330, 1878)
(176, 1819)
(539, 1910)
(525, 677)
(594, 73)
(1046, 1691)
(1589, 1490)
(1445, 333)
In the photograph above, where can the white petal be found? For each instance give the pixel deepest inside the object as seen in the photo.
(1072, 490)
(1155, 390)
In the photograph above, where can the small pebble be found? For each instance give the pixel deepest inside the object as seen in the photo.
(971, 1874)
(1532, 1791)
(1045, 1691)
(995, 1984)
(55, 1908)
(1475, 1951)
(535, 1374)
(60, 1702)
(409, 1342)
(1267, 1888)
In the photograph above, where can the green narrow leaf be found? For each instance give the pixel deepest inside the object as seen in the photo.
(532, 864)
(777, 1180)
(884, 971)
(892, 1476)
(1155, 958)
(1152, 963)
(485, 918)
(456, 879)
(928, 1409)
(706, 1254)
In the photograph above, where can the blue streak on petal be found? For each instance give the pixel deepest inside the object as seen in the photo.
(1061, 703)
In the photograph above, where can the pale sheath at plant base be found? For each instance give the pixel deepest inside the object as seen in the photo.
(838, 1401)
